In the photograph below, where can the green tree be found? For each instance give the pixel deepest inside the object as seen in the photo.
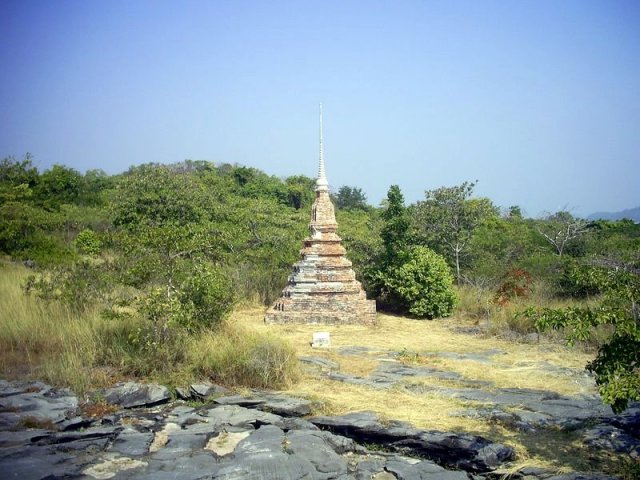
(448, 218)
(409, 278)
(617, 364)
(57, 186)
(93, 187)
(396, 226)
(562, 230)
(515, 213)
(360, 233)
(350, 198)
(17, 178)
(300, 191)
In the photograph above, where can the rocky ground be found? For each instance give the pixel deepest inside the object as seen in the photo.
(212, 434)
(515, 408)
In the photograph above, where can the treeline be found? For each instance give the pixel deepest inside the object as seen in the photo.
(154, 221)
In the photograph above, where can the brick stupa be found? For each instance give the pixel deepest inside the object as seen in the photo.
(323, 288)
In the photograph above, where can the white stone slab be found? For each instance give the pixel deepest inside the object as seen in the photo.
(321, 340)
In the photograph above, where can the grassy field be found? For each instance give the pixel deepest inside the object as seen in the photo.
(516, 367)
(49, 342)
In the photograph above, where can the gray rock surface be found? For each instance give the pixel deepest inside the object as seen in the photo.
(33, 403)
(270, 402)
(205, 390)
(132, 395)
(218, 441)
(44, 436)
(319, 362)
(461, 451)
(515, 408)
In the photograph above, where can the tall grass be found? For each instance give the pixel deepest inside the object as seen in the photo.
(480, 306)
(44, 340)
(239, 357)
(84, 350)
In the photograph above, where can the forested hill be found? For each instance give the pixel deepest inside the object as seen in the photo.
(630, 213)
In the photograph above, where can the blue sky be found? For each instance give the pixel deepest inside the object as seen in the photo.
(538, 100)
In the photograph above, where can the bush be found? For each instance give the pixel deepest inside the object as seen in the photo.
(207, 298)
(516, 283)
(140, 347)
(236, 357)
(422, 284)
(618, 309)
(79, 286)
(87, 242)
(201, 301)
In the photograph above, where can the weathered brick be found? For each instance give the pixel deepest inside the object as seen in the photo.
(322, 287)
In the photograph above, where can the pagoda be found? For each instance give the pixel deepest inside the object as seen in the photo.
(322, 288)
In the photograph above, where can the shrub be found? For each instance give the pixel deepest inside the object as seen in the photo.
(78, 286)
(421, 284)
(206, 296)
(516, 283)
(139, 347)
(87, 242)
(617, 360)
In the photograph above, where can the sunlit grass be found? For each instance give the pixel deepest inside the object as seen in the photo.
(85, 350)
(237, 357)
(47, 341)
(516, 365)
(52, 343)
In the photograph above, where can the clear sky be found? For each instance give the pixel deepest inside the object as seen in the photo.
(539, 100)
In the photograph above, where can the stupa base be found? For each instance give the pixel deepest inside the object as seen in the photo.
(364, 316)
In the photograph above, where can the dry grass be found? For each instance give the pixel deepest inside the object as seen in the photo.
(49, 342)
(425, 411)
(84, 350)
(236, 357)
(518, 366)
(40, 340)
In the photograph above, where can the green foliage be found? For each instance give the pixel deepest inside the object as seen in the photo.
(617, 365)
(206, 298)
(140, 347)
(79, 286)
(360, 233)
(300, 192)
(94, 188)
(40, 214)
(58, 185)
(153, 196)
(396, 227)
(88, 242)
(448, 218)
(409, 278)
(17, 179)
(350, 198)
(421, 284)
(22, 226)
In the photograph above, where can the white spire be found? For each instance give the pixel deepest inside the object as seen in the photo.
(321, 183)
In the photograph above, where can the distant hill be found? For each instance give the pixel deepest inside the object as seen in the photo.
(631, 213)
